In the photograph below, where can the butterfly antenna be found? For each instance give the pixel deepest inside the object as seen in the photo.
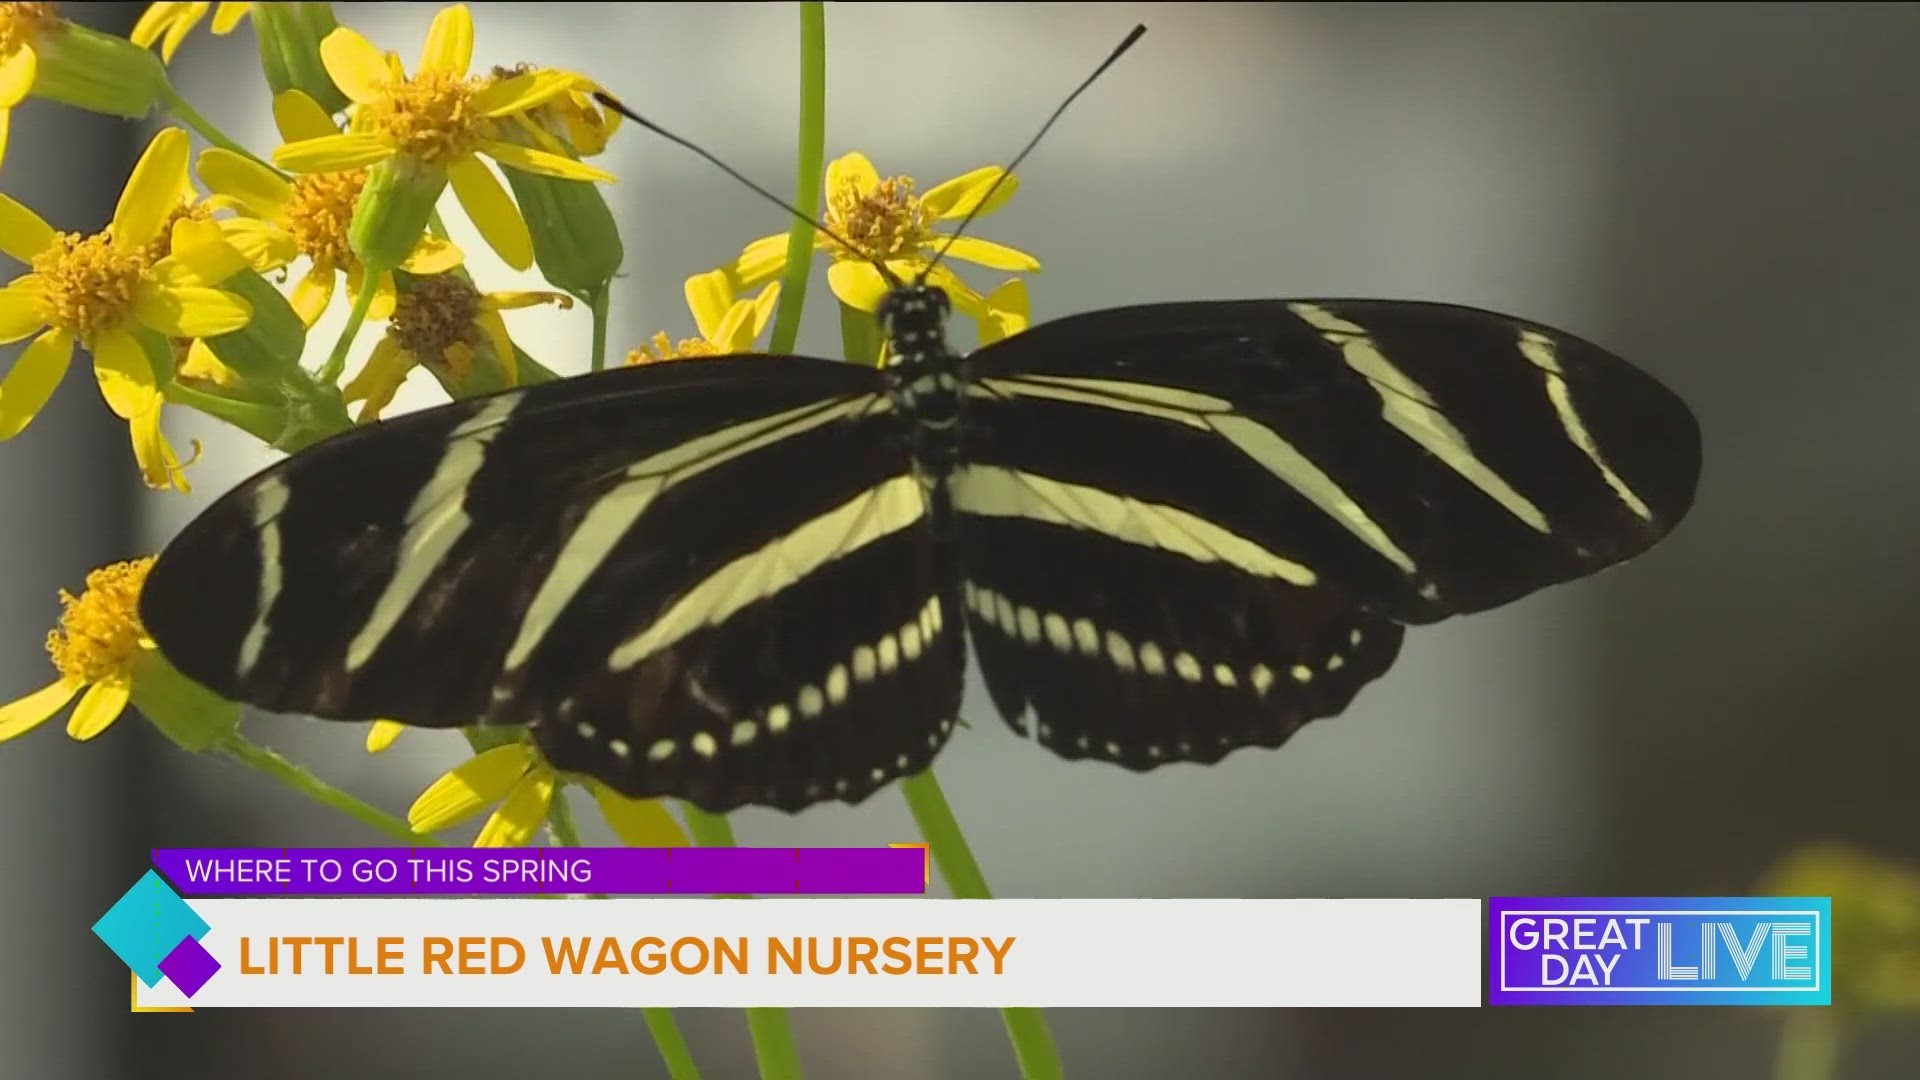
(615, 104)
(1119, 51)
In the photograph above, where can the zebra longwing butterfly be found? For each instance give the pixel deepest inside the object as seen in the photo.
(1168, 532)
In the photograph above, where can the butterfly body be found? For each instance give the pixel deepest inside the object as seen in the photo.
(1163, 533)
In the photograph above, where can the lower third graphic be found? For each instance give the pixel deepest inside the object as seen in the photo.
(1660, 951)
(157, 935)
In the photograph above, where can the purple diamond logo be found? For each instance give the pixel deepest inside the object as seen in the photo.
(189, 966)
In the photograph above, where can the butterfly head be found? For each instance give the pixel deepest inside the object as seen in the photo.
(914, 317)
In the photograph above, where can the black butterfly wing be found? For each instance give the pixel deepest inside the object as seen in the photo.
(1267, 490)
(1433, 460)
(624, 561)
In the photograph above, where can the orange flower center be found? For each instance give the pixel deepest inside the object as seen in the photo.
(662, 348)
(430, 116)
(319, 214)
(100, 634)
(19, 23)
(885, 223)
(89, 281)
(435, 315)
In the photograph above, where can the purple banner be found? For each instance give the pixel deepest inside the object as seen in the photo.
(544, 871)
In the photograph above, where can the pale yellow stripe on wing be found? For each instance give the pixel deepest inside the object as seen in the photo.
(875, 513)
(434, 521)
(1539, 348)
(1409, 407)
(594, 539)
(1265, 446)
(268, 501)
(995, 491)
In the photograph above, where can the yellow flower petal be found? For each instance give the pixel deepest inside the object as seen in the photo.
(19, 717)
(965, 299)
(857, 284)
(311, 294)
(984, 252)
(228, 15)
(20, 312)
(264, 246)
(432, 256)
(298, 118)
(522, 814)
(764, 306)
(382, 734)
(957, 197)
(515, 299)
(154, 191)
(385, 296)
(124, 373)
(22, 232)
(182, 311)
(255, 186)
(201, 363)
(16, 77)
(470, 786)
(32, 379)
(735, 327)
(522, 92)
(760, 262)
(6, 125)
(1008, 312)
(492, 325)
(493, 211)
(379, 378)
(99, 708)
(710, 298)
(182, 26)
(159, 466)
(543, 163)
(357, 67)
(155, 19)
(449, 45)
(332, 153)
(639, 822)
(853, 171)
(201, 256)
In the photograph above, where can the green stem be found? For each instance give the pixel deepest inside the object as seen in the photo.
(336, 364)
(1810, 1046)
(304, 782)
(1026, 1028)
(666, 1031)
(206, 128)
(772, 1036)
(598, 301)
(806, 187)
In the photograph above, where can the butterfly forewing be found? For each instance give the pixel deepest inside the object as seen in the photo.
(1432, 459)
(393, 572)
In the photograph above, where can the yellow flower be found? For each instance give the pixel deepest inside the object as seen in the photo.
(438, 122)
(1876, 921)
(728, 324)
(885, 220)
(309, 216)
(99, 290)
(99, 644)
(177, 20)
(572, 123)
(1008, 312)
(441, 321)
(523, 784)
(20, 26)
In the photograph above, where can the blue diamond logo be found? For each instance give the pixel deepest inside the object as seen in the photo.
(147, 924)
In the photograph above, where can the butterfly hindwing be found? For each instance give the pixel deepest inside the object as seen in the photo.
(1104, 649)
(1431, 459)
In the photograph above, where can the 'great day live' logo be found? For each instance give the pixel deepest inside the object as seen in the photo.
(1660, 951)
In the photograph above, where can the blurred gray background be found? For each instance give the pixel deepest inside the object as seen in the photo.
(1728, 198)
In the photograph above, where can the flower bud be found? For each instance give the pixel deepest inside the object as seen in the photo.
(97, 72)
(575, 240)
(290, 36)
(393, 211)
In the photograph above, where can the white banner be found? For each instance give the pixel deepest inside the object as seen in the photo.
(426, 952)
